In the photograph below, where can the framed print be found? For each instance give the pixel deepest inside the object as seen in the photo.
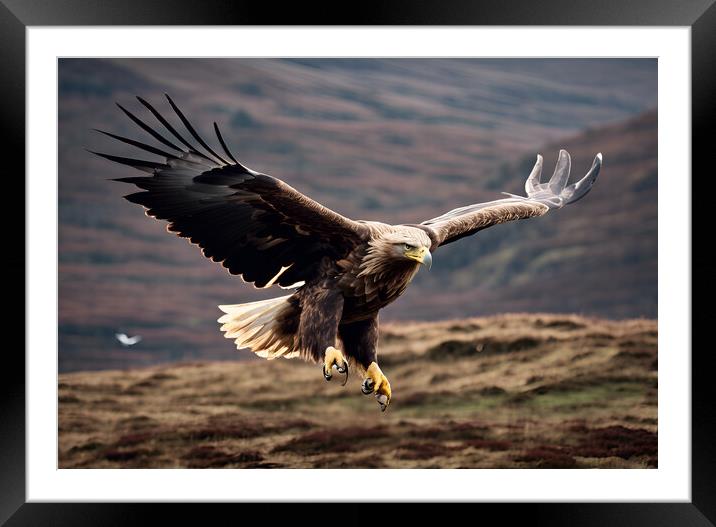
(546, 362)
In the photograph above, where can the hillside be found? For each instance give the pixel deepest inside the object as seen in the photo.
(511, 391)
(395, 140)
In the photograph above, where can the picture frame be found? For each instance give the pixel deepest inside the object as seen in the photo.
(16, 16)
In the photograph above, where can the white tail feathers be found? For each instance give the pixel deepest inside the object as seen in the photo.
(253, 325)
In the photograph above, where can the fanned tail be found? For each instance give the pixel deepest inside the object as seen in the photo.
(255, 325)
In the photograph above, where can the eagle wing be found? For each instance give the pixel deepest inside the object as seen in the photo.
(541, 198)
(257, 226)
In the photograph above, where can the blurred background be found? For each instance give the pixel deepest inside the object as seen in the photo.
(395, 140)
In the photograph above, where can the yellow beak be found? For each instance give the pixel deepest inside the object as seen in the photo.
(421, 255)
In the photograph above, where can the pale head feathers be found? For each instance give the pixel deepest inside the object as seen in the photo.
(402, 234)
(386, 249)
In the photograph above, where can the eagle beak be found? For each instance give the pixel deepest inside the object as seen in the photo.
(421, 255)
(427, 259)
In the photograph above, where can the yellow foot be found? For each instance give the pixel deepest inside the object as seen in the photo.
(376, 382)
(334, 357)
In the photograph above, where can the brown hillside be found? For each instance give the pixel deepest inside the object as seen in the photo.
(511, 391)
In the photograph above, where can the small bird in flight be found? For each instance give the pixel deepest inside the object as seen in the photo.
(127, 341)
(342, 272)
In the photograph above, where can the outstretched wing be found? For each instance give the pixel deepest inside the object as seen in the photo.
(257, 226)
(541, 198)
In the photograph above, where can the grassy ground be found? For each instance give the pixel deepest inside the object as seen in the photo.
(512, 391)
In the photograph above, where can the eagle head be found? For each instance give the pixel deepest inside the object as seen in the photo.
(413, 250)
(400, 243)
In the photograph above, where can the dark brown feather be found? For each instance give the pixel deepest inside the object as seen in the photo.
(252, 223)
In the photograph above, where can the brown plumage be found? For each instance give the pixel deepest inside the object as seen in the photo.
(341, 272)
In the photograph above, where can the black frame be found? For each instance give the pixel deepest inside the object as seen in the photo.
(16, 15)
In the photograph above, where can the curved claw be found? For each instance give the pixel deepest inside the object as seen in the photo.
(326, 375)
(382, 401)
(344, 369)
(367, 387)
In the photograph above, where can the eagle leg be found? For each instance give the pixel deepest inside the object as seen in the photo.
(360, 341)
(334, 357)
(376, 382)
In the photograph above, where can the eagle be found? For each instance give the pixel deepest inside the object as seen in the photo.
(339, 272)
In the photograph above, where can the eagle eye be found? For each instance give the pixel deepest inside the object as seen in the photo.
(409, 247)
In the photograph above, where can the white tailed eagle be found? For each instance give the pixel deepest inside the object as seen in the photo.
(340, 271)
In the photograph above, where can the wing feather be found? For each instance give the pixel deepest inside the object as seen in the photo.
(255, 225)
(541, 198)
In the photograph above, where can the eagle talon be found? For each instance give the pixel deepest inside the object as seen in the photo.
(334, 357)
(377, 383)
